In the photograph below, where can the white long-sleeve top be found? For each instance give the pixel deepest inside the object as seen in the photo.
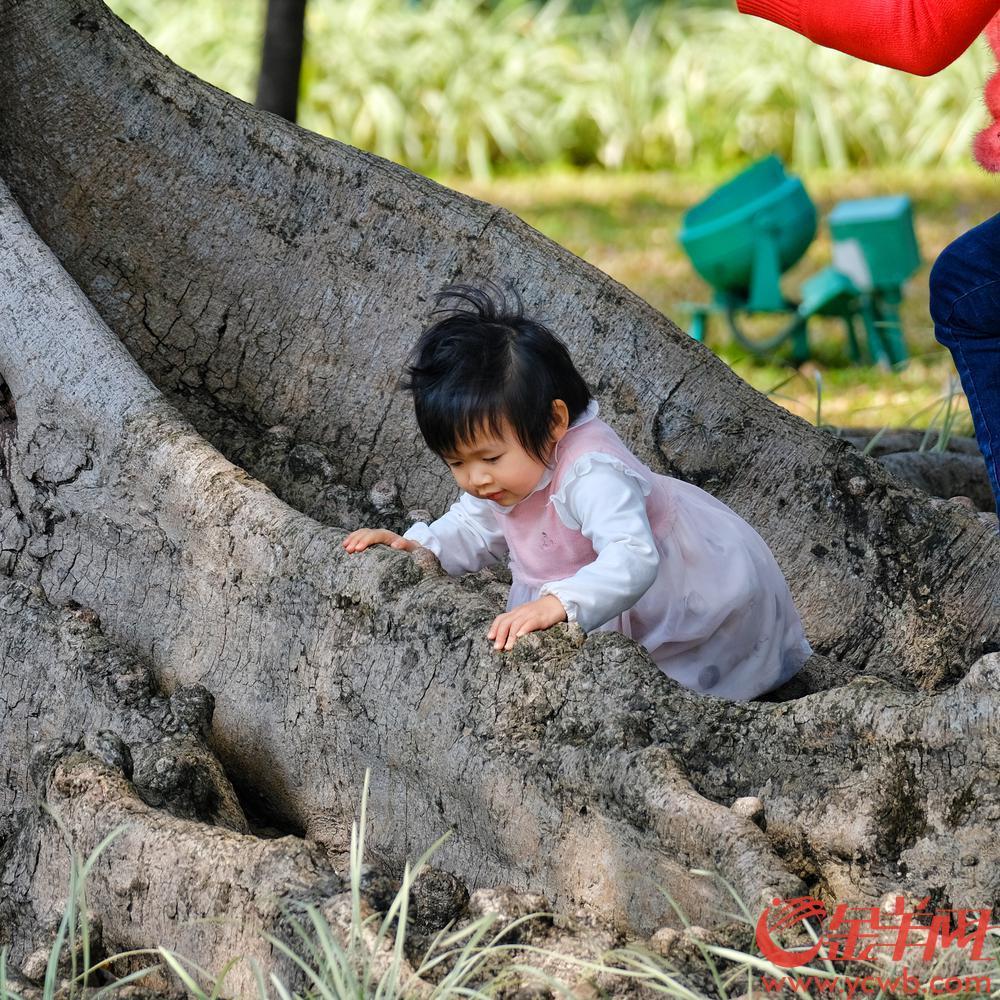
(599, 500)
(704, 595)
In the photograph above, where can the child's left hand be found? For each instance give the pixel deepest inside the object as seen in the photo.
(531, 617)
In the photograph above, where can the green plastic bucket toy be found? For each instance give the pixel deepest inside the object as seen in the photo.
(874, 242)
(749, 231)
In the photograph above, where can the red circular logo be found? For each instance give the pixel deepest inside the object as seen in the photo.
(781, 915)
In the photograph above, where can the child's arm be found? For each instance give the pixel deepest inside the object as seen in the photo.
(465, 539)
(918, 36)
(608, 507)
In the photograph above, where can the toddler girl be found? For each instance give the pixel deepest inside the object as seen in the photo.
(592, 534)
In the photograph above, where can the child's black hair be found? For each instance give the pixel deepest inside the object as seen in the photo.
(486, 362)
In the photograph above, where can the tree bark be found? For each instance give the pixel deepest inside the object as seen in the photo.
(268, 285)
(281, 59)
(71, 681)
(944, 474)
(197, 881)
(207, 893)
(328, 662)
(228, 250)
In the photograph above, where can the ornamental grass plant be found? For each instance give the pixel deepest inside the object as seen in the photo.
(459, 86)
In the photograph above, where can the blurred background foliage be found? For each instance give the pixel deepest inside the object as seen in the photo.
(601, 123)
(458, 86)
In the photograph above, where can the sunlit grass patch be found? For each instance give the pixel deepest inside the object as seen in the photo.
(627, 224)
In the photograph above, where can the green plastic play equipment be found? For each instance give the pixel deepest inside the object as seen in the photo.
(749, 232)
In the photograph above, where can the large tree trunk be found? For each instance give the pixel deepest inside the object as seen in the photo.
(268, 285)
(260, 273)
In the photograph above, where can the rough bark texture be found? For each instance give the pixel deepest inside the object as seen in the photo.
(229, 250)
(207, 891)
(199, 881)
(943, 474)
(70, 682)
(943, 467)
(331, 663)
(268, 285)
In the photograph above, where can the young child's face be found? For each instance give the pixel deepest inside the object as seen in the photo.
(496, 468)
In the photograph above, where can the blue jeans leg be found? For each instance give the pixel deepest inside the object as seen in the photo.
(965, 307)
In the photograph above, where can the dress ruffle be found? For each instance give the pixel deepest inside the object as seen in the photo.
(583, 465)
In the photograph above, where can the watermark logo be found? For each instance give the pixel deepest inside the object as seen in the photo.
(903, 983)
(784, 914)
(852, 933)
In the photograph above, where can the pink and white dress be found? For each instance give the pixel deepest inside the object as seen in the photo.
(628, 550)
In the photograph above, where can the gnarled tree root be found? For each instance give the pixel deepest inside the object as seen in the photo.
(261, 274)
(204, 892)
(335, 662)
(569, 767)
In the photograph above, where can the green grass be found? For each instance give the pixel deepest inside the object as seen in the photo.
(627, 224)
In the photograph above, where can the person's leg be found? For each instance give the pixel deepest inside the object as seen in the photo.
(965, 307)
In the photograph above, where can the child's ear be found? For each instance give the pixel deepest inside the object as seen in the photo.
(560, 419)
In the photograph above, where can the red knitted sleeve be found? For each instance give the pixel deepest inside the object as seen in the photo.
(918, 36)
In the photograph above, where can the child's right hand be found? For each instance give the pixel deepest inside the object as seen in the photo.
(358, 540)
